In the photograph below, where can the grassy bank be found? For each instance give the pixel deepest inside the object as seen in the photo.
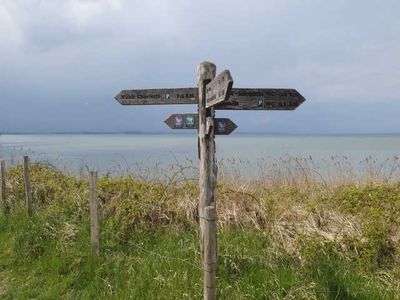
(303, 239)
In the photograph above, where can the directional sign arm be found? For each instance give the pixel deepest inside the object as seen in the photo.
(223, 126)
(183, 121)
(239, 99)
(158, 96)
(262, 99)
(219, 89)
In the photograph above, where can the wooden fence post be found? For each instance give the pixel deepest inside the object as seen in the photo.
(3, 186)
(28, 190)
(207, 182)
(94, 213)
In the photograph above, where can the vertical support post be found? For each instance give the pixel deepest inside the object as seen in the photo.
(28, 192)
(3, 186)
(206, 71)
(94, 213)
(210, 252)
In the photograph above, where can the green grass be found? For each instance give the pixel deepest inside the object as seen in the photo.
(166, 265)
(278, 246)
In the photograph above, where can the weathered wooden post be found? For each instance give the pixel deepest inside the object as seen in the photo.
(94, 213)
(210, 261)
(3, 186)
(28, 191)
(205, 73)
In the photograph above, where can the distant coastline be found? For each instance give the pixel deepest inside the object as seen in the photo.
(193, 132)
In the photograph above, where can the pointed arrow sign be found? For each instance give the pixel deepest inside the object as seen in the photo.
(262, 99)
(183, 121)
(223, 126)
(219, 89)
(158, 96)
(240, 99)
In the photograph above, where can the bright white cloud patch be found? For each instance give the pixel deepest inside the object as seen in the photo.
(82, 12)
(10, 31)
(48, 23)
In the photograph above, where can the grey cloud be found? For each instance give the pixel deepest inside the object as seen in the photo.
(60, 55)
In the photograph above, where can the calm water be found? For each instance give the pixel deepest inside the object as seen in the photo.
(113, 152)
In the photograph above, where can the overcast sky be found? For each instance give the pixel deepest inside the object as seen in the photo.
(62, 62)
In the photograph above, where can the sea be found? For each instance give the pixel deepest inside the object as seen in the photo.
(157, 153)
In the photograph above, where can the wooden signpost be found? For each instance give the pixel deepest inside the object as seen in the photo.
(212, 93)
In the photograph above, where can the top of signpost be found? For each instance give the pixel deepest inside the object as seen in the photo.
(206, 71)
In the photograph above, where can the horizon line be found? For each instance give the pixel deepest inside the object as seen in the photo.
(187, 133)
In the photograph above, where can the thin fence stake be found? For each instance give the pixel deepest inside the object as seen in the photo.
(28, 190)
(94, 213)
(3, 186)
